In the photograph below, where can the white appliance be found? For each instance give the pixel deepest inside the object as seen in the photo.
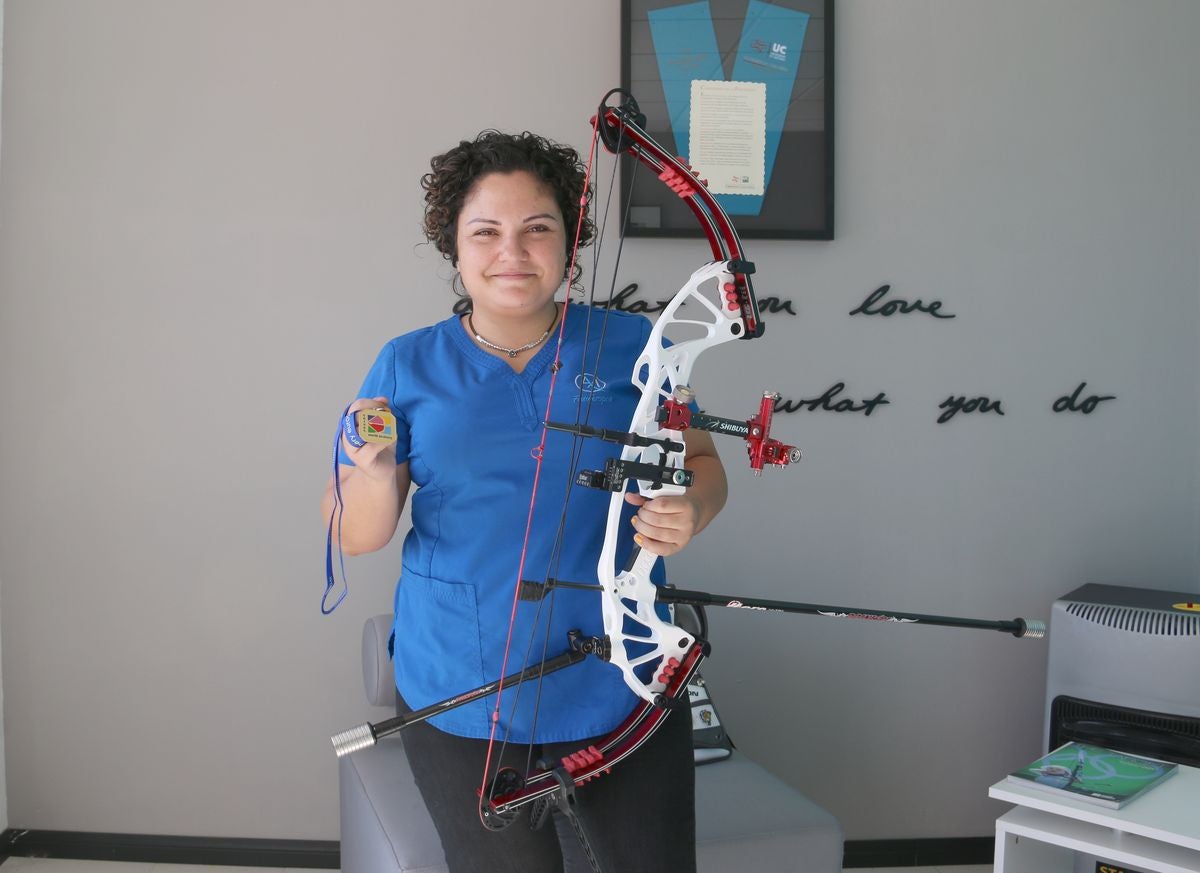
(1124, 671)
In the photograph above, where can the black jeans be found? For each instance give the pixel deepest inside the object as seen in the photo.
(640, 818)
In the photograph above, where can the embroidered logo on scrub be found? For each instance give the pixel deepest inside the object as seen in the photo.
(591, 389)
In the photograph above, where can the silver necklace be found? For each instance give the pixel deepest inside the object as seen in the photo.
(512, 353)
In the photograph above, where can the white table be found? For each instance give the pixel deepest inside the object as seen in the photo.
(1158, 832)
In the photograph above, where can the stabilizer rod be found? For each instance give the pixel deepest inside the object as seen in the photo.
(366, 735)
(1018, 627)
(1034, 629)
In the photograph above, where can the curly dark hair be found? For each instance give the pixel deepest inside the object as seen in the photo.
(453, 174)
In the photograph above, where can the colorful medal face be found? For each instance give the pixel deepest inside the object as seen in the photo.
(370, 426)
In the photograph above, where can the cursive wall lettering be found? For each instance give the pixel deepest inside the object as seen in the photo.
(1067, 403)
(954, 405)
(898, 304)
(624, 301)
(774, 305)
(825, 403)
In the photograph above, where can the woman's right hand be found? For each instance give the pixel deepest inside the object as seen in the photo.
(371, 494)
(376, 461)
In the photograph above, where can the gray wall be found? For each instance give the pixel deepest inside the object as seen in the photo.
(208, 225)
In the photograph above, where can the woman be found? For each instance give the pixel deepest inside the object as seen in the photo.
(470, 394)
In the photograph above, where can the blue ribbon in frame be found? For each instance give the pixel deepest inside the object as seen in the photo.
(685, 46)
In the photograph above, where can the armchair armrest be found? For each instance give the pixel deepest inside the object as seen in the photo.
(378, 679)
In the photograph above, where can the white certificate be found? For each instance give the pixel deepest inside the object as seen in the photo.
(727, 130)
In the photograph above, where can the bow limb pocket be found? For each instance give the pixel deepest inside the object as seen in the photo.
(438, 650)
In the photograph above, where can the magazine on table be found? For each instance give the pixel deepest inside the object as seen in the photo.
(1094, 774)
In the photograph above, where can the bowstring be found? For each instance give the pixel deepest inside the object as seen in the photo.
(539, 453)
(582, 416)
(583, 412)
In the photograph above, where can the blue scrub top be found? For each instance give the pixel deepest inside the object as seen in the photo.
(467, 425)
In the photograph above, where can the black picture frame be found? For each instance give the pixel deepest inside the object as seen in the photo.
(798, 201)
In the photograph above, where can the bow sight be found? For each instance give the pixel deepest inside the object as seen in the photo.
(676, 415)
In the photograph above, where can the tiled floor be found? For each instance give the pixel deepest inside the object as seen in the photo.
(51, 865)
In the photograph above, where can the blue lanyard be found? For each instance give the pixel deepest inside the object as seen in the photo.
(335, 513)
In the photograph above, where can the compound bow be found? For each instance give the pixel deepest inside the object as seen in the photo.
(656, 657)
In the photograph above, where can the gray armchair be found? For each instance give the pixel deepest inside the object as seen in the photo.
(746, 819)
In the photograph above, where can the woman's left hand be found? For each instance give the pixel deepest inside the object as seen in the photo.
(664, 525)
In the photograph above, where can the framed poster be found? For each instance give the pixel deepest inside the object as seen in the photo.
(743, 91)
